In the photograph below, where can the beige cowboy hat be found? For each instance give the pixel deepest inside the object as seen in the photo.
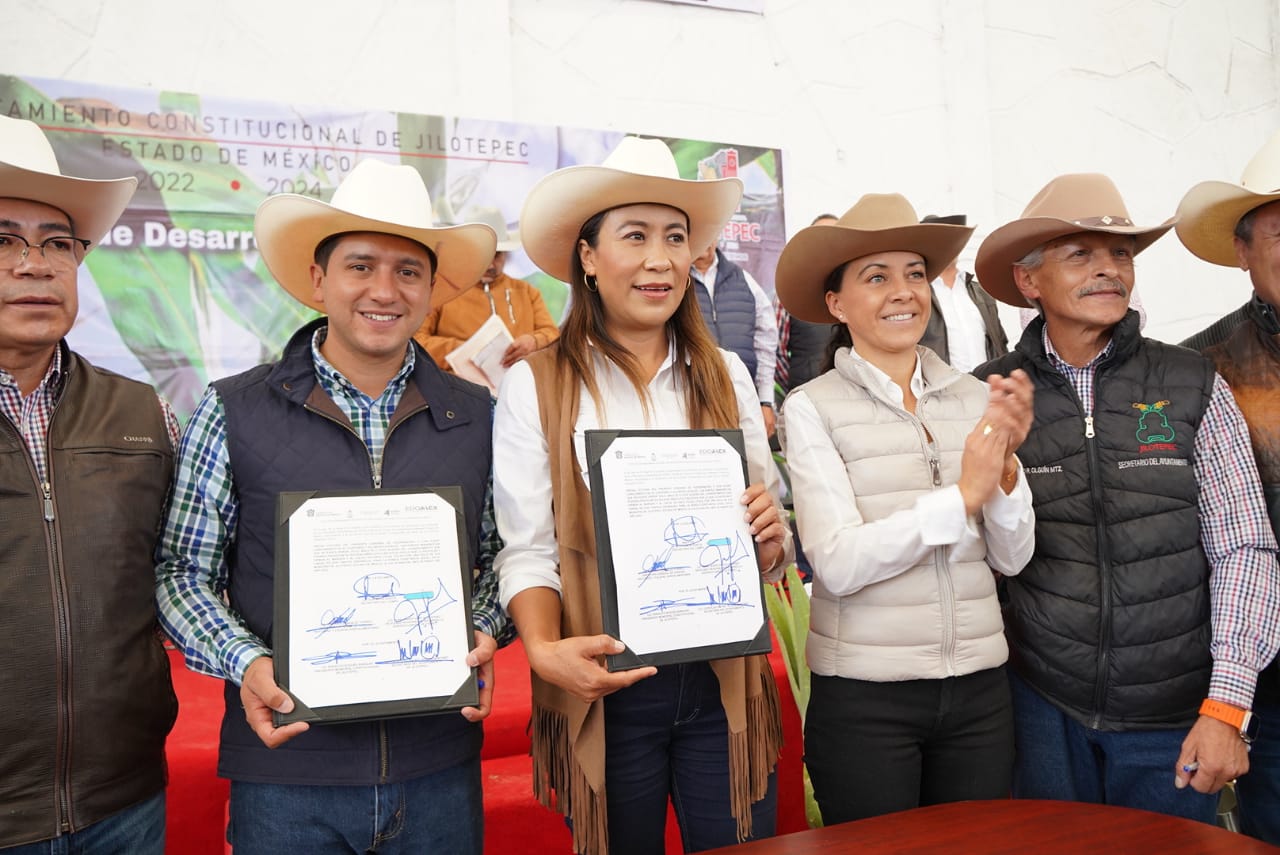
(1081, 202)
(637, 172)
(878, 222)
(374, 197)
(1208, 214)
(29, 170)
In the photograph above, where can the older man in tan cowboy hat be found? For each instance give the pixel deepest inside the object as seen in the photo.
(1238, 225)
(1139, 627)
(85, 460)
(352, 404)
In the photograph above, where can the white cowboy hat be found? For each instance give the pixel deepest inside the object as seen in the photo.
(29, 170)
(508, 241)
(1067, 205)
(374, 197)
(637, 172)
(1208, 214)
(878, 222)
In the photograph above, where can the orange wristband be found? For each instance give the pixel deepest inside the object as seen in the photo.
(1241, 720)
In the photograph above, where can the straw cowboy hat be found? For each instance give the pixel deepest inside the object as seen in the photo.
(1208, 214)
(1069, 204)
(879, 222)
(29, 170)
(374, 197)
(637, 172)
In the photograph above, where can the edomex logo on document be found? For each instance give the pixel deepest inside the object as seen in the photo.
(1154, 431)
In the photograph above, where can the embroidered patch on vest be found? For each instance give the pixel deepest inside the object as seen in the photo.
(1154, 432)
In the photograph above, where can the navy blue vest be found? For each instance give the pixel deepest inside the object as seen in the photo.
(731, 316)
(1110, 620)
(284, 433)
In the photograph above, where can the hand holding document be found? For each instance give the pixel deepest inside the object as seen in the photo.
(678, 570)
(373, 604)
(479, 358)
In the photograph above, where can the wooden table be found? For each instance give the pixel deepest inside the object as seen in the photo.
(1013, 826)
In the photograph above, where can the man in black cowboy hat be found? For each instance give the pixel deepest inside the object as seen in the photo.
(85, 461)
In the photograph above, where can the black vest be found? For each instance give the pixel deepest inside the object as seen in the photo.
(284, 433)
(1110, 620)
(731, 316)
(807, 345)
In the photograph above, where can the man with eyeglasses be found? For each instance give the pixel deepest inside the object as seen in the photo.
(85, 462)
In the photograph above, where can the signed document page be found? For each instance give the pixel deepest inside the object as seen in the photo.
(681, 564)
(376, 606)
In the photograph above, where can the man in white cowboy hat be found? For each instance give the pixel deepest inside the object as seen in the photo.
(1139, 627)
(517, 303)
(1238, 225)
(352, 404)
(85, 461)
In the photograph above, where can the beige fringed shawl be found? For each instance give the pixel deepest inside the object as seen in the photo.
(567, 733)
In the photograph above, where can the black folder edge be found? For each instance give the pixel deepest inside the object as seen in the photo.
(597, 443)
(467, 695)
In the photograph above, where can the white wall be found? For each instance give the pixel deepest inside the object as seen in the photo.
(962, 105)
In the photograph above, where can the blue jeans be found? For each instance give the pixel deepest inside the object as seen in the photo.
(667, 737)
(138, 830)
(440, 812)
(1259, 790)
(1059, 758)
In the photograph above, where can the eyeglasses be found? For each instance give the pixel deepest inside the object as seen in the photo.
(61, 251)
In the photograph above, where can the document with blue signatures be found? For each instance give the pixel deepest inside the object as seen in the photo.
(373, 604)
(679, 576)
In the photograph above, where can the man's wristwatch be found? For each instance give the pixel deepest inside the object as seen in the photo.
(1242, 720)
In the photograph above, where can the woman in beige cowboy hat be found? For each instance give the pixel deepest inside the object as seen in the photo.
(909, 702)
(633, 353)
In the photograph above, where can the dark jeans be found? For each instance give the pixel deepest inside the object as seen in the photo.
(440, 812)
(1259, 790)
(875, 748)
(667, 737)
(138, 830)
(1060, 758)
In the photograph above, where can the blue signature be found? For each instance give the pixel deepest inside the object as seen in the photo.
(725, 554)
(331, 619)
(657, 563)
(423, 650)
(419, 608)
(337, 656)
(720, 595)
(684, 531)
(376, 586)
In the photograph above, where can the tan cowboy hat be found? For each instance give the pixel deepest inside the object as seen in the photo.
(374, 197)
(637, 172)
(1082, 202)
(1208, 214)
(879, 222)
(29, 170)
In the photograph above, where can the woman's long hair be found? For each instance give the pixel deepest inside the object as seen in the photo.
(699, 368)
(840, 336)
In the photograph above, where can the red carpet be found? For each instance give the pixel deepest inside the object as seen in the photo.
(514, 821)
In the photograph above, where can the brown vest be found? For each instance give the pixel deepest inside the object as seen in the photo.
(85, 695)
(568, 733)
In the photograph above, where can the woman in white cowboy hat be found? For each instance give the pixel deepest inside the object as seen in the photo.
(909, 702)
(633, 353)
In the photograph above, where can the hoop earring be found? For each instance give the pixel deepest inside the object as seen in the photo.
(590, 282)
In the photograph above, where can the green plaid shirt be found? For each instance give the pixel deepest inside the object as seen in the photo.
(199, 529)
